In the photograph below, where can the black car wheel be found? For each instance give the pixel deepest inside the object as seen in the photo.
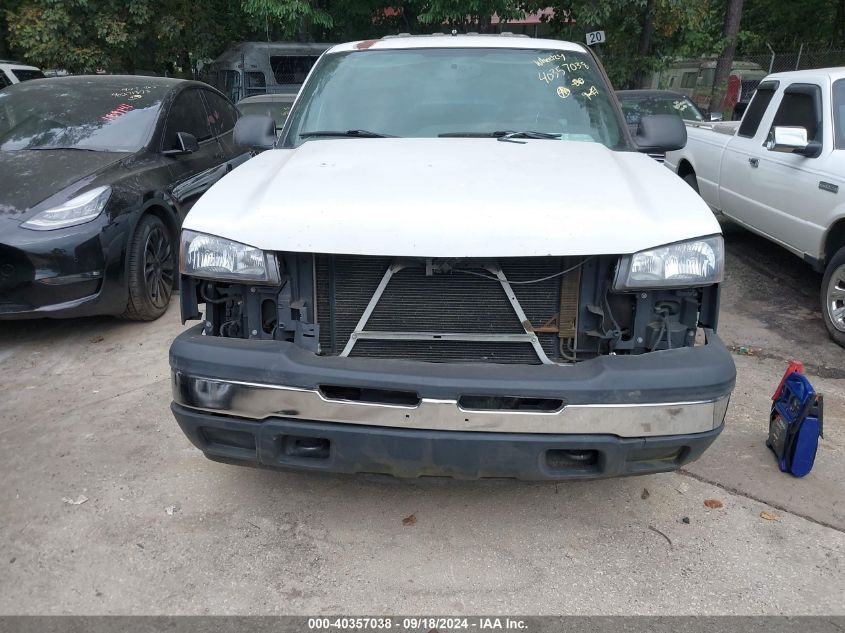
(833, 297)
(151, 270)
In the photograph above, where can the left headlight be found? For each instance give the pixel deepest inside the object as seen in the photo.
(699, 262)
(83, 208)
(217, 258)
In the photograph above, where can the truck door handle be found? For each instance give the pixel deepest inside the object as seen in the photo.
(754, 162)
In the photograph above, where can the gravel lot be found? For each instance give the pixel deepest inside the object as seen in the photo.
(84, 414)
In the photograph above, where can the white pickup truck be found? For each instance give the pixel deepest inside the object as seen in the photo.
(781, 173)
(453, 261)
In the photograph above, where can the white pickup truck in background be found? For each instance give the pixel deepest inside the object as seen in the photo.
(781, 173)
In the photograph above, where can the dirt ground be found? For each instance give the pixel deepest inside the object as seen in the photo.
(84, 415)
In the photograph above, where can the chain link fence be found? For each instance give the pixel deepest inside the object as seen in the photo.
(802, 59)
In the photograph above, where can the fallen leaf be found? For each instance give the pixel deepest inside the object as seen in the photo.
(75, 502)
(645, 494)
(411, 519)
(769, 516)
(97, 339)
(713, 503)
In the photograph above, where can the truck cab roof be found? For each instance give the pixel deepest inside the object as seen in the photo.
(440, 40)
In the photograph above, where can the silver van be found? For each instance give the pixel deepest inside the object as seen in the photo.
(254, 68)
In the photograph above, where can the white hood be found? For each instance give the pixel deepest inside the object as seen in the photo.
(454, 197)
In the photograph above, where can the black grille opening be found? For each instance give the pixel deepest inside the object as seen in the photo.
(502, 403)
(372, 396)
(448, 351)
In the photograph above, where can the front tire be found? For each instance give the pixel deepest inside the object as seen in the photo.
(833, 297)
(151, 270)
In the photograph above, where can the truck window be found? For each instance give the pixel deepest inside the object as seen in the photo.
(839, 112)
(757, 108)
(291, 69)
(256, 83)
(4, 81)
(797, 109)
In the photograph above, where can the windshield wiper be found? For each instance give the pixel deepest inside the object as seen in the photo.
(503, 135)
(350, 133)
(78, 149)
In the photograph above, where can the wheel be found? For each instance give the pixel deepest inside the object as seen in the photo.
(692, 181)
(151, 270)
(833, 297)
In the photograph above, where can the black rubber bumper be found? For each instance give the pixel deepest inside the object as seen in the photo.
(304, 445)
(689, 374)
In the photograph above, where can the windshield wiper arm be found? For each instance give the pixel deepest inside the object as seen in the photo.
(350, 133)
(78, 149)
(503, 135)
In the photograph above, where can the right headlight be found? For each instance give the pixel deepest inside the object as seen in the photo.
(698, 262)
(217, 258)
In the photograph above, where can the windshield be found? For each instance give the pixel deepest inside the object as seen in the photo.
(429, 92)
(635, 107)
(95, 115)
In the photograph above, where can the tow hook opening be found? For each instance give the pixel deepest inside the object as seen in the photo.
(572, 460)
(306, 447)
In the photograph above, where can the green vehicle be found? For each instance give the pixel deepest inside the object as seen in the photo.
(694, 79)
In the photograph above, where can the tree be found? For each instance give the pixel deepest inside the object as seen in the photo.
(78, 35)
(642, 35)
(292, 18)
(733, 15)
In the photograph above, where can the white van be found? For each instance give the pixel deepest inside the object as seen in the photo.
(14, 73)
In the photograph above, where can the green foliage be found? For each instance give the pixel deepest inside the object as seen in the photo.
(290, 16)
(642, 35)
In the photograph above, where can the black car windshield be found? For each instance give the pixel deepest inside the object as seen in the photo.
(78, 114)
(636, 106)
(428, 92)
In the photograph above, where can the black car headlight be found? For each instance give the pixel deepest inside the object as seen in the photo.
(212, 257)
(698, 262)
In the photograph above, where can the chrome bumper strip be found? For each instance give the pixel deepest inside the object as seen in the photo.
(259, 401)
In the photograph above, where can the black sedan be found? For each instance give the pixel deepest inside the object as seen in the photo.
(96, 176)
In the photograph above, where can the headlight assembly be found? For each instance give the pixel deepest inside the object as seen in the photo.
(217, 258)
(83, 208)
(698, 262)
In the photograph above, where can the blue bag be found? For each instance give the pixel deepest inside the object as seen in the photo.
(795, 424)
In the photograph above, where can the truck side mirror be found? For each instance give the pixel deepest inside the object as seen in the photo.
(255, 131)
(187, 144)
(792, 140)
(715, 117)
(660, 133)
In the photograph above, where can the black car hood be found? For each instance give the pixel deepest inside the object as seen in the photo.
(29, 177)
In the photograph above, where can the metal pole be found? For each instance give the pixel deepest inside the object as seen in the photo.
(800, 50)
(772, 61)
